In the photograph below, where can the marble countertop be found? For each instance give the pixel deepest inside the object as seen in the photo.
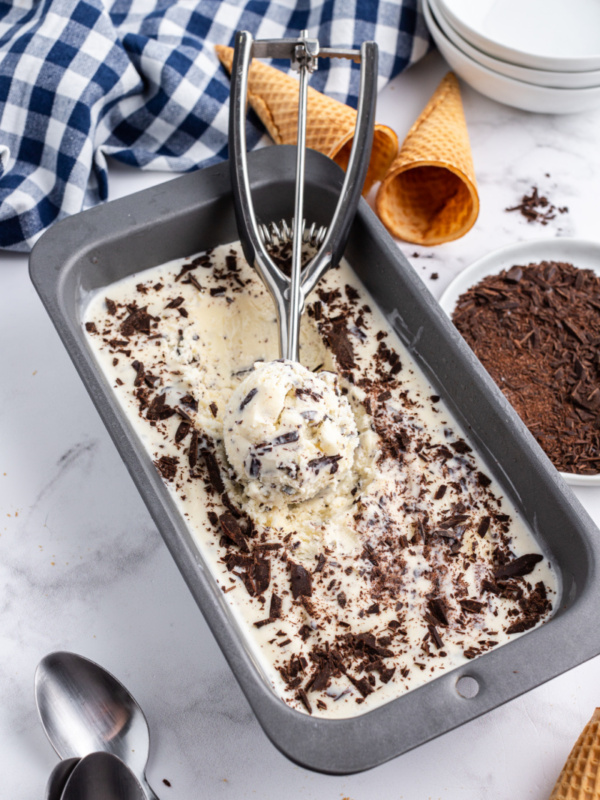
(83, 568)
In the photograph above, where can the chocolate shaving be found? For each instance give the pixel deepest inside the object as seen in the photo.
(188, 400)
(175, 303)
(325, 461)
(141, 373)
(185, 269)
(158, 409)
(321, 561)
(285, 438)
(304, 700)
(182, 431)
(138, 320)
(275, 606)
(437, 609)
(322, 678)
(437, 639)
(225, 499)
(366, 642)
(472, 606)
(214, 473)
(522, 625)
(252, 393)
(193, 450)
(537, 208)
(301, 581)
(233, 532)
(483, 480)
(520, 566)
(167, 466)
(338, 341)
(461, 447)
(261, 574)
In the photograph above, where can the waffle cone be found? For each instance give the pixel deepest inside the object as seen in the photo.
(580, 776)
(330, 124)
(429, 195)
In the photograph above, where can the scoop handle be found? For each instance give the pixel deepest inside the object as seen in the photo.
(252, 244)
(334, 244)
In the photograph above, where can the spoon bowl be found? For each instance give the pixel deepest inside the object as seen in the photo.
(84, 710)
(58, 778)
(100, 776)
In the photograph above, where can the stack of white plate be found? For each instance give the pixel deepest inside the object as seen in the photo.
(538, 55)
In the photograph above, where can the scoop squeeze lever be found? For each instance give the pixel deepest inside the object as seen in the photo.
(289, 294)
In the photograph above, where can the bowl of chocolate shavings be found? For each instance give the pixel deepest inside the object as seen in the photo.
(531, 314)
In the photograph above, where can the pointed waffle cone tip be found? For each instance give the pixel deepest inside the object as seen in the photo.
(330, 124)
(429, 195)
(580, 776)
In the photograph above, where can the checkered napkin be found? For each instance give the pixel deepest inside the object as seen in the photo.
(139, 80)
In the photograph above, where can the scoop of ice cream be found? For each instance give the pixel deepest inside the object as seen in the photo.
(289, 433)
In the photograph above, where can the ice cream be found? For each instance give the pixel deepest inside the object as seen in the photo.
(289, 434)
(411, 564)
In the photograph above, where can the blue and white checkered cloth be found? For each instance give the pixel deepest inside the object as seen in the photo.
(139, 80)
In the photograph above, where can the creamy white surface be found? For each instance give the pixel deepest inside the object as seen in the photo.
(196, 347)
(76, 503)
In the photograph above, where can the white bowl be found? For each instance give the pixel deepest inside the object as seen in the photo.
(556, 35)
(539, 77)
(579, 252)
(527, 96)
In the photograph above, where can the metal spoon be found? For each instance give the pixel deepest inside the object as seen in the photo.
(58, 778)
(100, 776)
(84, 709)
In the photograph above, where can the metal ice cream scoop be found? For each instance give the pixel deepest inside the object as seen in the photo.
(84, 710)
(289, 294)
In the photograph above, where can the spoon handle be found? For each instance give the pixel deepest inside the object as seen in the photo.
(148, 790)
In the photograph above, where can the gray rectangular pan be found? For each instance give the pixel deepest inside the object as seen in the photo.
(195, 212)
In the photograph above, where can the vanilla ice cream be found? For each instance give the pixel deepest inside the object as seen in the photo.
(404, 563)
(289, 433)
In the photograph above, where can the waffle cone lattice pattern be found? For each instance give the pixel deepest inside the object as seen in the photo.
(580, 776)
(429, 195)
(330, 124)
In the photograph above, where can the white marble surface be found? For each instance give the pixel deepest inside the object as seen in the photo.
(82, 567)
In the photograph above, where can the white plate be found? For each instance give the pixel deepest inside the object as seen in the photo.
(562, 35)
(579, 252)
(539, 77)
(527, 96)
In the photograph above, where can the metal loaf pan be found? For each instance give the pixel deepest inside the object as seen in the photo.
(195, 212)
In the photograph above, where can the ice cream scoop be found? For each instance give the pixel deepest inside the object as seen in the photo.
(289, 433)
(276, 452)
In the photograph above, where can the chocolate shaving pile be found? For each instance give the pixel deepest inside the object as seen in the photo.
(536, 329)
(537, 208)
